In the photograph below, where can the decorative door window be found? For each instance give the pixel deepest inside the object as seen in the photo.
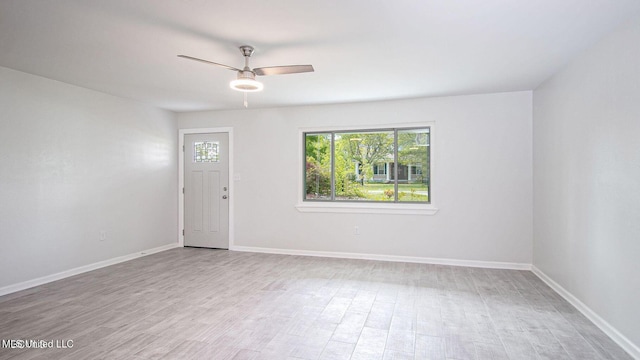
(205, 152)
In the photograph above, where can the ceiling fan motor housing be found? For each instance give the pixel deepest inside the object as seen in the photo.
(246, 81)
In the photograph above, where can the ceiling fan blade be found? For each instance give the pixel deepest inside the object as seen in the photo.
(209, 62)
(280, 70)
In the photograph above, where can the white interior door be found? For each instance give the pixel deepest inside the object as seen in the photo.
(206, 190)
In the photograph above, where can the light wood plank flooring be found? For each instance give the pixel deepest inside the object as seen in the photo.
(213, 304)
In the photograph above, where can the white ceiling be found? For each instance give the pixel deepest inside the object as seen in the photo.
(361, 50)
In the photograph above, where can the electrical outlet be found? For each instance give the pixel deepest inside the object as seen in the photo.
(103, 235)
(356, 230)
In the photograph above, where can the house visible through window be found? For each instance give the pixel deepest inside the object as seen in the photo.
(389, 165)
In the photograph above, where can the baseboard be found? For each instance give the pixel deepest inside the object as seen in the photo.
(393, 258)
(607, 328)
(82, 269)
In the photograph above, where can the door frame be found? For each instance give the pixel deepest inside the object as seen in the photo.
(181, 134)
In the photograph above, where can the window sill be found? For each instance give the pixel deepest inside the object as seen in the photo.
(371, 208)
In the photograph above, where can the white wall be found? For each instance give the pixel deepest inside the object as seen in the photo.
(587, 179)
(482, 183)
(74, 162)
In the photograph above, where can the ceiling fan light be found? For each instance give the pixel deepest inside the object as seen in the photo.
(246, 85)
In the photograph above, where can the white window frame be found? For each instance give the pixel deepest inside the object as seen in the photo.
(367, 207)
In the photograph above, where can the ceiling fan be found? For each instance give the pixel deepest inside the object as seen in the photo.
(246, 78)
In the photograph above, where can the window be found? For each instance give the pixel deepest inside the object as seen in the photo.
(388, 165)
(380, 169)
(205, 151)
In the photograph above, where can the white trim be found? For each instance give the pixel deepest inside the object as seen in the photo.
(392, 258)
(417, 124)
(607, 328)
(369, 208)
(181, 134)
(82, 269)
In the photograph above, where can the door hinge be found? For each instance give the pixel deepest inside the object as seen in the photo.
(183, 190)
(182, 232)
(183, 148)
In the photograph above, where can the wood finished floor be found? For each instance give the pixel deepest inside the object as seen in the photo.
(213, 304)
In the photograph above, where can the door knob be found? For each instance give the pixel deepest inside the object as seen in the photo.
(224, 196)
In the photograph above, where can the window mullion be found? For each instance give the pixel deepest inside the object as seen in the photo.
(395, 166)
(333, 167)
